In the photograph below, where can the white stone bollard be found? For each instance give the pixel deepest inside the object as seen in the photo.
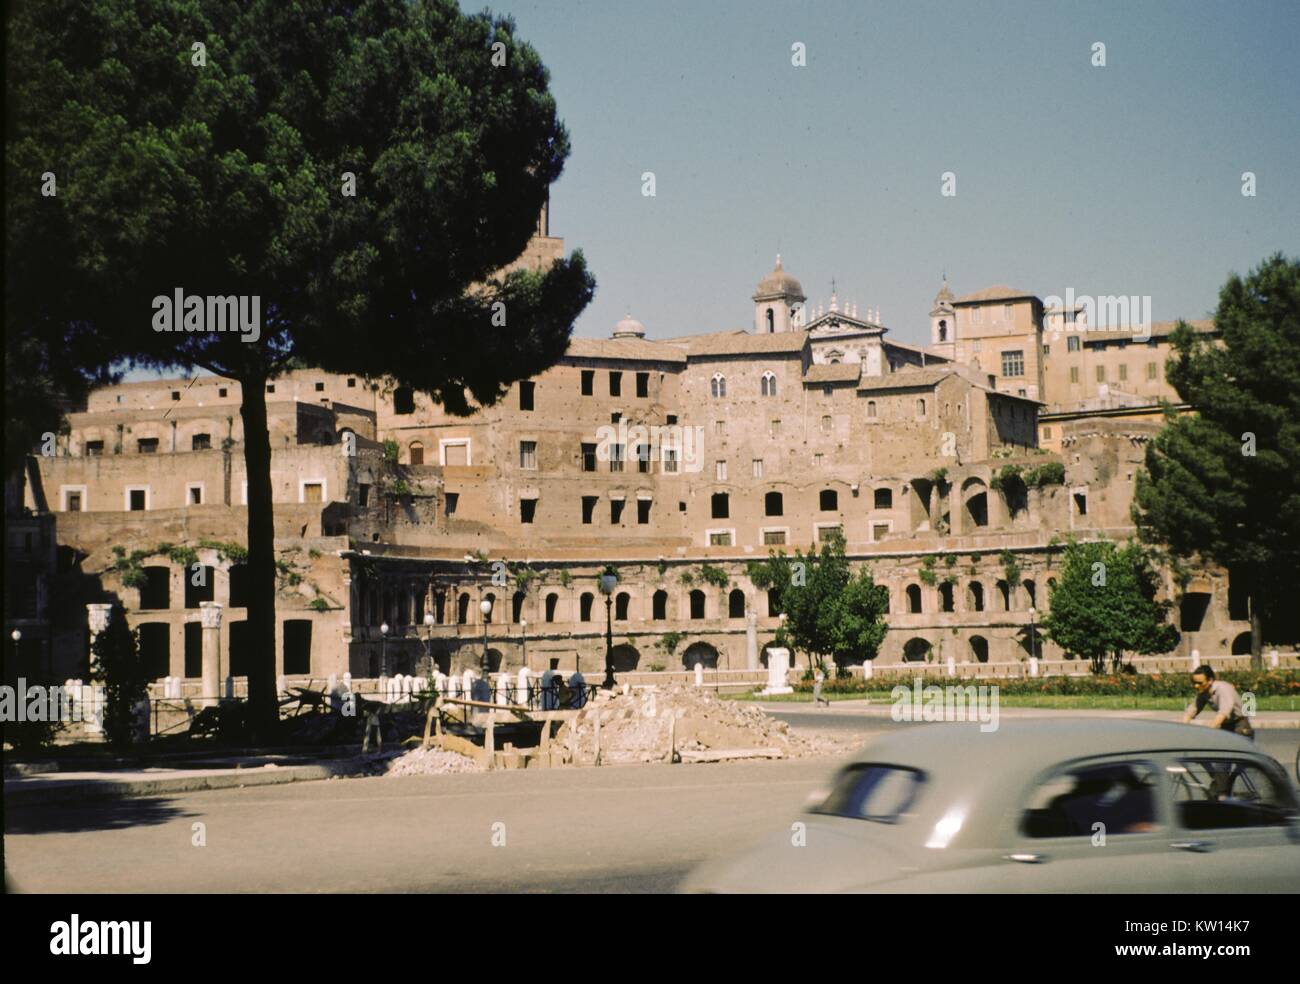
(467, 684)
(952, 666)
(503, 689)
(868, 667)
(282, 685)
(699, 674)
(1272, 658)
(419, 685)
(332, 684)
(440, 683)
(347, 682)
(522, 689)
(1033, 666)
(1196, 658)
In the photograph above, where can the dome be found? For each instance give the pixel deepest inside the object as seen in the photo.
(779, 282)
(629, 327)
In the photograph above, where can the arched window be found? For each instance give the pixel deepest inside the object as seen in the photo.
(1031, 590)
(621, 601)
(945, 597)
(913, 599)
(943, 331)
(718, 386)
(829, 500)
(768, 384)
(773, 504)
(736, 604)
(417, 453)
(462, 609)
(871, 409)
(976, 596)
(884, 498)
(771, 321)
(773, 603)
(697, 603)
(660, 606)
(551, 601)
(517, 607)
(584, 606)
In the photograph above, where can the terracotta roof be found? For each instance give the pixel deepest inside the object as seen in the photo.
(998, 293)
(839, 372)
(1160, 329)
(905, 379)
(891, 343)
(741, 343)
(639, 349)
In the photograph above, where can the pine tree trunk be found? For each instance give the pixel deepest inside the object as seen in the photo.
(261, 658)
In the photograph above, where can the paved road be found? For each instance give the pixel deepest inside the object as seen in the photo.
(637, 828)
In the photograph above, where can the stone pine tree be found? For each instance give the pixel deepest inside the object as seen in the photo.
(1104, 604)
(1223, 482)
(116, 662)
(361, 169)
(830, 612)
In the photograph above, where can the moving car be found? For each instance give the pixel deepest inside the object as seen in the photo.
(1083, 805)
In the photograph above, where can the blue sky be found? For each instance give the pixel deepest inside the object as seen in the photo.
(1117, 180)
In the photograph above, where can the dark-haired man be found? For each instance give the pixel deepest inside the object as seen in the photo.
(1222, 698)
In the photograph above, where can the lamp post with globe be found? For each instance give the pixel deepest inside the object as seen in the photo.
(608, 582)
(485, 606)
(428, 624)
(383, 649)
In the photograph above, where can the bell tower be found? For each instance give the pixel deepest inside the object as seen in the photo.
(943, 323)
(776, 301)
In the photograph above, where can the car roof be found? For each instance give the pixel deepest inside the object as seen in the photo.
(1030, 745)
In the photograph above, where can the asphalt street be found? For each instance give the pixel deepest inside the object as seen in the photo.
(621, 829)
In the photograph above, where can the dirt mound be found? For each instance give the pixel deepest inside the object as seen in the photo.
(645, 725)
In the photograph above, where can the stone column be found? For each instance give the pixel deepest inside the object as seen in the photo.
(98, 618)
(751, 640)
(210, 618)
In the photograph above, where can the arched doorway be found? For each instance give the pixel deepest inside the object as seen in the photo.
(702, 653)
(979, 649)
(1241, 645)
(624, 658)
(736, 604)
(917, 650)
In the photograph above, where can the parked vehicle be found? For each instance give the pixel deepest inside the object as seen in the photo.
(1086, 805)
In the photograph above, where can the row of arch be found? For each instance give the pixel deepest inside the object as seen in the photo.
(718, 385)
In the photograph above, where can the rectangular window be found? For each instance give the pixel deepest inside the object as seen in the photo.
(672, 419)
(720, 428)
(775, 429)
(826, 424)
(827, 532)
(221, 392)
(363, 494)
(201, 442)
(589, 457)
(642, 454)
(526, 393)
(588, 382)
(720, 471)
(320, 387)
(643, 511)
(879, 531)
(1006, 312)
(147, 445)
(1013, 363)
(194, 495)
(589, 508)
(1151, 370)
(1101, 374)
(1070, 317)
(976, 315)
(94, 449)
(1123, 373)
(819, 459)
(643, 384)
(720, 538)
(1072, 343)
(773, 537)
(312, 492)
(352, 384)
(176, 394)
(1047, 350)
(453, 500)
(670, 461)
(137, 500)
(615, 511)
(528, 455)
(758, 468)
(1047, 433)
(615, 384)
(73, 502)
(616, 457)
(1074, 374)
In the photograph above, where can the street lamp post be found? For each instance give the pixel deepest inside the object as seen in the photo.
(485, 607)
(608, 582)
(1033, 634)
(523, 638)
(383, 649)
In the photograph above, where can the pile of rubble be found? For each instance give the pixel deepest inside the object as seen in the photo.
(658, 724)
(416, 762)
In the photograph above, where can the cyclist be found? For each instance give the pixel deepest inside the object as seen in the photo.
(1222, 697)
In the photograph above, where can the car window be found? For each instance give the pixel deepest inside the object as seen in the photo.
(1119, 795)
(1215, 793)
(871, 791)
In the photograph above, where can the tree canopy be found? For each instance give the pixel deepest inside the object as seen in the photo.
(1223, 483)
(362, 169)
(830, 611)
(1103, 603)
